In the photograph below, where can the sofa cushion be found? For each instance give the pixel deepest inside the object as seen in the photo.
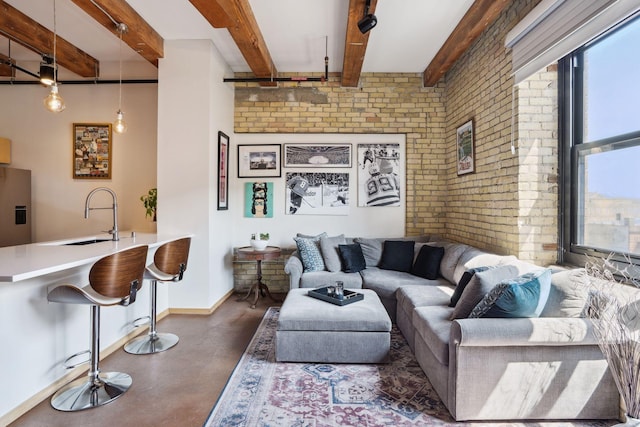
(352, 258)
(397, 255)
(452, 253)
(567, 295)
(464, 281)
(480, 284)
(432, 326)
(524, 296)
(317, 279)
(372, 250)
(330, 253)
(474, 257)
(386, 282)
(427, 264)
(412, 296)
(309, 250)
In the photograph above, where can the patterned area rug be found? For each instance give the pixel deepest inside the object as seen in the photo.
(264, 393)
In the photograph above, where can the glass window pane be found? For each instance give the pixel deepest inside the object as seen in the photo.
(609, 199)
(611, 84)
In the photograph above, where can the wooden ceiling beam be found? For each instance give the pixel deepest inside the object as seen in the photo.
(237, 17)
(480, 15)
(5, 69)
(355, 44)
(140, 36)
(23, 30)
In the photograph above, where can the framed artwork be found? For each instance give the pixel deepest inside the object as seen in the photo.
(92, 151)
(313, 193)
(380, 175)
(317, 155)
(258, 199)
(466, 148)
(223, 171)
(259, 161)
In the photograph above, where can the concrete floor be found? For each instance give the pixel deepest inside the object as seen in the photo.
(175, 388)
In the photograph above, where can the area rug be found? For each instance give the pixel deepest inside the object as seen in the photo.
(264, 393)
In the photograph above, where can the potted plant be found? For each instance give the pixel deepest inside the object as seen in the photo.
(259, 241)
(150, 201)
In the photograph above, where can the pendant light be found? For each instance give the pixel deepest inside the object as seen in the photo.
(54, 101)
(120, 126)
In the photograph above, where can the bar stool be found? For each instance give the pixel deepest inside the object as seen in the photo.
(169, 265)
(114, 279)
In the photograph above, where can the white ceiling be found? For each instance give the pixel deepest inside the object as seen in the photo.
(297, 32)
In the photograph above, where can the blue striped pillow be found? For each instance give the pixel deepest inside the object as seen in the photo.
(310, 254)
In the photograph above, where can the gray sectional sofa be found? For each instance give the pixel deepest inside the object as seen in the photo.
(546, 367)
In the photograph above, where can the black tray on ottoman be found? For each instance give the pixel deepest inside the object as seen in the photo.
(348, 298)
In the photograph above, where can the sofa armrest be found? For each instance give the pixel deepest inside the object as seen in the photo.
(293, 267)
(548, 331)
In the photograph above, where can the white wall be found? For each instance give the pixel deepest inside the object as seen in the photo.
(361, 221)
(193, 105)
(42, 142)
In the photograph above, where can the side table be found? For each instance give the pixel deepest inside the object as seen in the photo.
(248, 253)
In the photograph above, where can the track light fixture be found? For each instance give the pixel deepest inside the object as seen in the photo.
(47, 72)
(368, 21)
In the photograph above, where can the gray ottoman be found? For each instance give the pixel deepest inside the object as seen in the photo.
(311, 330)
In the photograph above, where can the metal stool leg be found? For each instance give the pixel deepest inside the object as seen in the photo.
(96, 390)
(153, 342)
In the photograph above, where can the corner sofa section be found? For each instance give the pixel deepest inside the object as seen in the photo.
(543, 368)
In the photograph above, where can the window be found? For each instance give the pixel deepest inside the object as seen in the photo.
(600, 146)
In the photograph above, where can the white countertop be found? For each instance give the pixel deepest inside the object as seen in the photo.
(37, 259)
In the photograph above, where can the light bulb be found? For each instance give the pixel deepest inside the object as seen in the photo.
(54, 101)
(120, 126)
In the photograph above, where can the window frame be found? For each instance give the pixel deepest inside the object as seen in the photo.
(571, 133)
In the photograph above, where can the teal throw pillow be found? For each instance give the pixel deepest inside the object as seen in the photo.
(310, 254)
(524, 296)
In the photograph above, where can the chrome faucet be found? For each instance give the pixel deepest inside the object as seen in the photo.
(113, 231)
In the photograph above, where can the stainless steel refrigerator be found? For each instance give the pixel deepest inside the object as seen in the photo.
(15, 206)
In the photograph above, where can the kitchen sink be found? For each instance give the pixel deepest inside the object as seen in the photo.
(86, 242)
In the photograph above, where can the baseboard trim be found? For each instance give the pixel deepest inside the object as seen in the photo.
(202, 311)
(45, 393)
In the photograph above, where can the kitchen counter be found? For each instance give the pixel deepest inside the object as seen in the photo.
(38, 259)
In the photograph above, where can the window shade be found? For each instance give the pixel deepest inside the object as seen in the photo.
(555, 28)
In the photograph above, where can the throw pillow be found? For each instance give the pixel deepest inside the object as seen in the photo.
(371, 249)
(397, 255)
(309, 250)
(568, 294)
(480, 284)
(330, 254)
(524, 296)
(427, 264)
(352, 258)
(464, 281)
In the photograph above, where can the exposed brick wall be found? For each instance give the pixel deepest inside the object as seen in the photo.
(490, 208)
(245, 273)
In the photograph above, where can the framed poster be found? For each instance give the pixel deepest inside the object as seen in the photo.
(259, 161)
(313, 193)
(380, 175)
(317, 155)
(223, 171)
(466, 148)
(92, 150)
(258, 199)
